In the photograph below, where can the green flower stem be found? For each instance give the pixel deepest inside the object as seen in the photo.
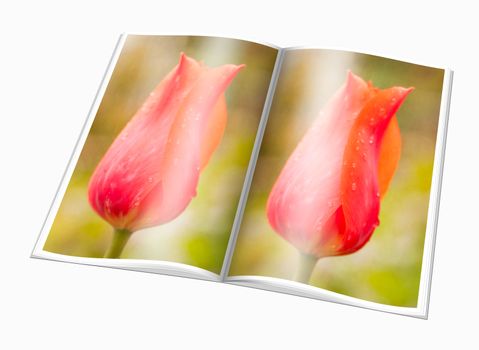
(305, 268)
(120, 238)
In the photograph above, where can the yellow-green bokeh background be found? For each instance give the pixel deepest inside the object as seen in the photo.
(200, 234)
(387, 270)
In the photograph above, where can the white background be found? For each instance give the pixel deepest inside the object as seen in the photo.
(52, 57)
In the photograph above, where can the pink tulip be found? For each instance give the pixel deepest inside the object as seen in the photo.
(150, 173)
(326, 199)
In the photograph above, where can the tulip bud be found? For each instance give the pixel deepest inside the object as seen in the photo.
(327, 197)
(150, 173)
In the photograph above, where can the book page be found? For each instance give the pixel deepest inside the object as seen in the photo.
(340, 198)
(159, 168)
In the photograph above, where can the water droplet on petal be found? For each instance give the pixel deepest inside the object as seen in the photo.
(318, 225)
(354, 186)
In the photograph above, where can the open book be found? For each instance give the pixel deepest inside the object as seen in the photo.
(307, 171)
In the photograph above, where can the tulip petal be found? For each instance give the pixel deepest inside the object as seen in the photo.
(389, 155)
(189, 144)
(306, 193)
(125, 175)
(360, 196)
(214, 130)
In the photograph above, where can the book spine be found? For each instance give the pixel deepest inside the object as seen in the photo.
(252, 164)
